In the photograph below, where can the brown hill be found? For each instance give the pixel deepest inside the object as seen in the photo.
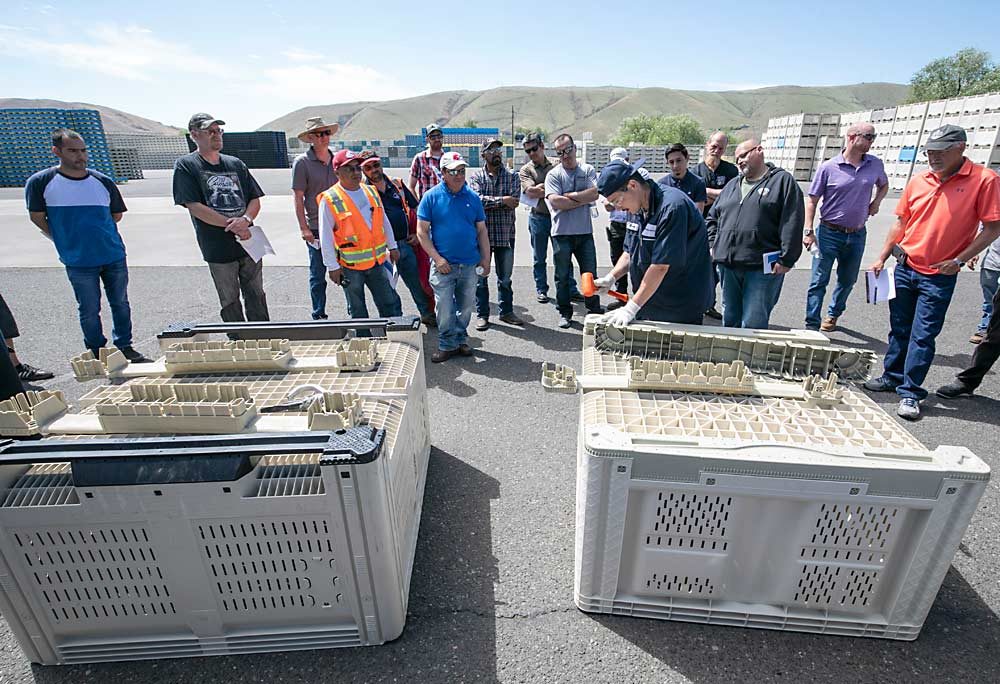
(115, 120)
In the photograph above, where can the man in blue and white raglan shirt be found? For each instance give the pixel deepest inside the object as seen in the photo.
(79, 209)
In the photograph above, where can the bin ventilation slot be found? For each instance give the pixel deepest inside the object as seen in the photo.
(854, 527)
(680, 585)
(95, 573)
(289, 475)
(45, 484)
(265, 564)
(685, 521)
(836, 586)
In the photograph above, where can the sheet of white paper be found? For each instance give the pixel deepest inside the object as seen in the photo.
(770, 259)
(881, 287)
(530, 201)
(314, 244)
(258, 245)
(392, 272)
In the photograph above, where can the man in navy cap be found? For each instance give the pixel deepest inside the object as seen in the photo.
(666, 250)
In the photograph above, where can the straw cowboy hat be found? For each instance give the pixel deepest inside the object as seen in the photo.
(315, 124)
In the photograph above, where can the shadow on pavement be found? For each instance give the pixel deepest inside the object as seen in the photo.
(958, 644)
(450, 631)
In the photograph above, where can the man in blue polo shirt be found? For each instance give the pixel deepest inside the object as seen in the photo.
(451, 227)
(681, 178)
(79, 209)
(666, 250)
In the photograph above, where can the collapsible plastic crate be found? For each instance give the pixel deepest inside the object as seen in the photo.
(751, 506)
(273, 539)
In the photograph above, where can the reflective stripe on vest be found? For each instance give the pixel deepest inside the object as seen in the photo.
(358, 246)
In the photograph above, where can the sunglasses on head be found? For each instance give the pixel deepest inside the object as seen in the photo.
(531, 150)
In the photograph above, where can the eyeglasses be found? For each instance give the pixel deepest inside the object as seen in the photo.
(565, 151)
(322, 134)
(212, 131)
(870, 137)
(530, 150)
(741, 157)
(455, 172)
(494, 150)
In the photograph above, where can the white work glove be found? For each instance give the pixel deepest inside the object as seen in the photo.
(604, 282)
(621, 317)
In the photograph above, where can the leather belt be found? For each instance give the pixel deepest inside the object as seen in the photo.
(839, 228)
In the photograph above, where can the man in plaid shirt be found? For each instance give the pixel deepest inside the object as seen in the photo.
(425, 171)
(500, 191)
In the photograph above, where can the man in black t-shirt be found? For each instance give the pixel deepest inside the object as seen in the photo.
(223, 199)
(716, 172)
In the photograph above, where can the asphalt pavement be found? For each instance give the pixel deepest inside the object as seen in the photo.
(492, 591)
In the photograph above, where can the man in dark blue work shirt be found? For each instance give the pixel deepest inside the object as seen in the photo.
(681, 178)
(666, 250)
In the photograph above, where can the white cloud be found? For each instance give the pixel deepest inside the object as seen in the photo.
(310, 84)
(130, 52)
(297, 55)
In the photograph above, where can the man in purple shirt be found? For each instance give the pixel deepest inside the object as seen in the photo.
(844, 184)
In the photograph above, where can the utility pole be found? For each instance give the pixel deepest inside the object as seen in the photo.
(512, 142)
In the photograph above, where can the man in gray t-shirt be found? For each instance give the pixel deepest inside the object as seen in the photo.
(312, 173)
(571, 190)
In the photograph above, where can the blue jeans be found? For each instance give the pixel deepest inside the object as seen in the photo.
(916, 316)
(407, 267)
(454, 297)
(564, 248)
(748, 296)
(988, 280)
(540, 229)
(503, 265)
(317, 282)
(377, 279)
(86, 282)
(847, 250)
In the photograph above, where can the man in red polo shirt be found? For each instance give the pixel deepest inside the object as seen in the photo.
(935, 234)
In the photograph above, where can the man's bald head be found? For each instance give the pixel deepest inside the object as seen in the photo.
(859, 138)
(717, 144)
(750, 157)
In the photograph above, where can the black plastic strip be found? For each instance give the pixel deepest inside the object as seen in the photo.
(211, 458)
(294, 330)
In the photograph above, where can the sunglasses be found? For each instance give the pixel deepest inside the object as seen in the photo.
(870, 137)
(435, 136)
(455, 172)
(322, 134)
(565, 151)
(531, 150)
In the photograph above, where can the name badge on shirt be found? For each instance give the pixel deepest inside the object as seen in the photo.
(632, 226)
(649, 231)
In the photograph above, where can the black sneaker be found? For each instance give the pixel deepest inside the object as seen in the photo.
(29, 373)
(617, 304)
(954, 390)
(596, 309)
(714, 314)
(577, 297)
(133, 356)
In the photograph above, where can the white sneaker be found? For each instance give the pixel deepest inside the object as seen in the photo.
(908, 409)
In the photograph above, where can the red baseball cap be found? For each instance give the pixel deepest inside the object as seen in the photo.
(344, 157)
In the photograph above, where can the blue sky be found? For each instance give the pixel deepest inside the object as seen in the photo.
(252, 61)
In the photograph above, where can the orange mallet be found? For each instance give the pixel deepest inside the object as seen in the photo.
(588, 289)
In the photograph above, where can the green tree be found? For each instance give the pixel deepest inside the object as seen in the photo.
(470, 123)
(659, 130)
(967, 72)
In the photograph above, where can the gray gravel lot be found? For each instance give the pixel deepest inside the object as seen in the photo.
(492, 591)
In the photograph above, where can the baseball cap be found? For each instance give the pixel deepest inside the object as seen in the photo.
(368, 156)
(944, 137)
(344, 157)
(619, 153)
(452, 160)
(201, 121)
(431, 128)
(491, 142)
(615, 175)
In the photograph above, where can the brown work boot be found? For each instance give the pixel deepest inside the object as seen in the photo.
(829, 324)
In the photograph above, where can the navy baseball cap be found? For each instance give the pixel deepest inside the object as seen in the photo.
(615, 175)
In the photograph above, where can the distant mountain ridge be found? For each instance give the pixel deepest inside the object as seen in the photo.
(114, 120)
(598, 110)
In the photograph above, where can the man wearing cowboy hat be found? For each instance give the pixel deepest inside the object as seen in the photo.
(312, 173)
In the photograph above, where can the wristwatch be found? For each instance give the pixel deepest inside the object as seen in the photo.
(246, 217)
(959, 262)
